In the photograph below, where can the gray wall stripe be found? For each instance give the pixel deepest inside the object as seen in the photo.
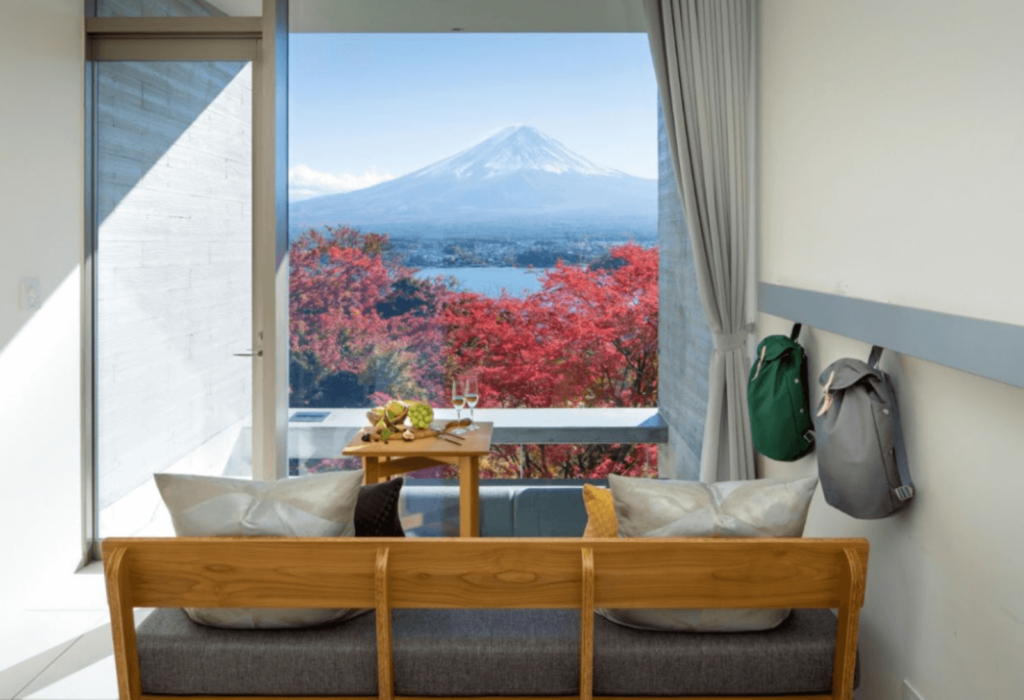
(986, 348)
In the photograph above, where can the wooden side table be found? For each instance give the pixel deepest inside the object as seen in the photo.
(382, 460)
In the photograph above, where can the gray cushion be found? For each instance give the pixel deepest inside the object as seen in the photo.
(312, 506)
(484, 652)
(662, 508)
(793, 658)
(180, 657)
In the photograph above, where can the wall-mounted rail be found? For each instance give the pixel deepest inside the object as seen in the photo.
(986, 348)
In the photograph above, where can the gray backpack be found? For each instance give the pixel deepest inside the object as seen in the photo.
(862, 461)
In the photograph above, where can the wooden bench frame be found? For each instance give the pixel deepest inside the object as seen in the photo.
(385, 574)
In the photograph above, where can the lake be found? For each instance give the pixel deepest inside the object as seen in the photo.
(517, 281)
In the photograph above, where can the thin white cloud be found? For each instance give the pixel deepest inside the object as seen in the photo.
(305, 182)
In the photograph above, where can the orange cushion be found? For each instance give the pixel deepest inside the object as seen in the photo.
(601, 519)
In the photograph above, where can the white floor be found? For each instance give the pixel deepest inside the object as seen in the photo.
(59, 654)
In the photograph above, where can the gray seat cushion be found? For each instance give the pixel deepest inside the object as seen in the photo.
(484, 652)
(179, 657)
(791, 659)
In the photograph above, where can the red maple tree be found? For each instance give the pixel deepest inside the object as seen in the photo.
(358, 313)
(588, 338)
(363, 328)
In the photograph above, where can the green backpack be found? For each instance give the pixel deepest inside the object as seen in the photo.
(780, 411)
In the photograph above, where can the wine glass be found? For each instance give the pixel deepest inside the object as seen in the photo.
(458, 400)
(472, 394)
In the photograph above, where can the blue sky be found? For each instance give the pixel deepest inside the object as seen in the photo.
(367, 107)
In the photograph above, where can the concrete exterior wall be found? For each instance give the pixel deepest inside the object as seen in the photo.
(173, 265)
(155, 8)
(684, 338)
(892, 162)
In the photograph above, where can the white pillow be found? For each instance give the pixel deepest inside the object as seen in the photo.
(662, 508)
(312, 506)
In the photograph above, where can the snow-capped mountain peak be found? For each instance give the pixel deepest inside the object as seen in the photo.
(514, 148)
(517, 183)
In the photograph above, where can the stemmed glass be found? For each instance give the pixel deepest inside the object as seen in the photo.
(472, 395)
(458, 400)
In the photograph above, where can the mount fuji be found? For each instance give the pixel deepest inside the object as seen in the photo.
(519, 183)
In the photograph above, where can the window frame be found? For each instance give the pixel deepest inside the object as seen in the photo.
(264, 42)
(199, 39)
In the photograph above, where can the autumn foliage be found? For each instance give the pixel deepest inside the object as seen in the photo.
(362, 327)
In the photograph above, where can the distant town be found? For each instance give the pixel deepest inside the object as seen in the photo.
(504, 252)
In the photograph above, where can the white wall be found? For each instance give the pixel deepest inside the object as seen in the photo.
(41, 193)
(892, 169)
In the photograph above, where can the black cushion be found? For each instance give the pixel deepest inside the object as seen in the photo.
(484, 652)
(377, 510)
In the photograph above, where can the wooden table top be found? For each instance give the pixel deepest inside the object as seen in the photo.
(476, 444)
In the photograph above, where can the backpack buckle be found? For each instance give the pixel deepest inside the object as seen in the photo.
(905, 493)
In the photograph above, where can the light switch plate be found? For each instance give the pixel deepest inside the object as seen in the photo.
(909, 692)
(30, 296)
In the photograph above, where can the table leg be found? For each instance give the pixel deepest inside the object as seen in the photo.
(370, 470)
(469, 497)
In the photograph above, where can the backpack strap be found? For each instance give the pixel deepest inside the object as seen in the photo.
(876, 355)
(760, 364)
(795, 333)
(906, 488)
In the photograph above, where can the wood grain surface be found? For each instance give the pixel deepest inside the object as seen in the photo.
(122, 623)
(385, 662)
(389, 573)
(844, 663)
(491, 572)
(477, 443)
(587, 626)
(503, 697)
(469, 497)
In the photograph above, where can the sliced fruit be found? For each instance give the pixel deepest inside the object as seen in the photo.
(396, 411)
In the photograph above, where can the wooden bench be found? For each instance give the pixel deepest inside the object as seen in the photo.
(390, 574)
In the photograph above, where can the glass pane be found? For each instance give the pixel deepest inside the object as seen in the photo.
(482, 204)
(179, 8)
(173, 281)
(525, 462)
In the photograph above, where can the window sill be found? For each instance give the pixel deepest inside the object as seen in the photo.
(512, 426)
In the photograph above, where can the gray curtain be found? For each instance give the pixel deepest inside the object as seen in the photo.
(703, 52)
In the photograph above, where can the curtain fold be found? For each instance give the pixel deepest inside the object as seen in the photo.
(703, 52)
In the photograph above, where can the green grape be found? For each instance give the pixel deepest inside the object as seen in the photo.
(421, 415)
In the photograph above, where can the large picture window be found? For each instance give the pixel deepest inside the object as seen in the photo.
(481, 205)
(462, 204)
